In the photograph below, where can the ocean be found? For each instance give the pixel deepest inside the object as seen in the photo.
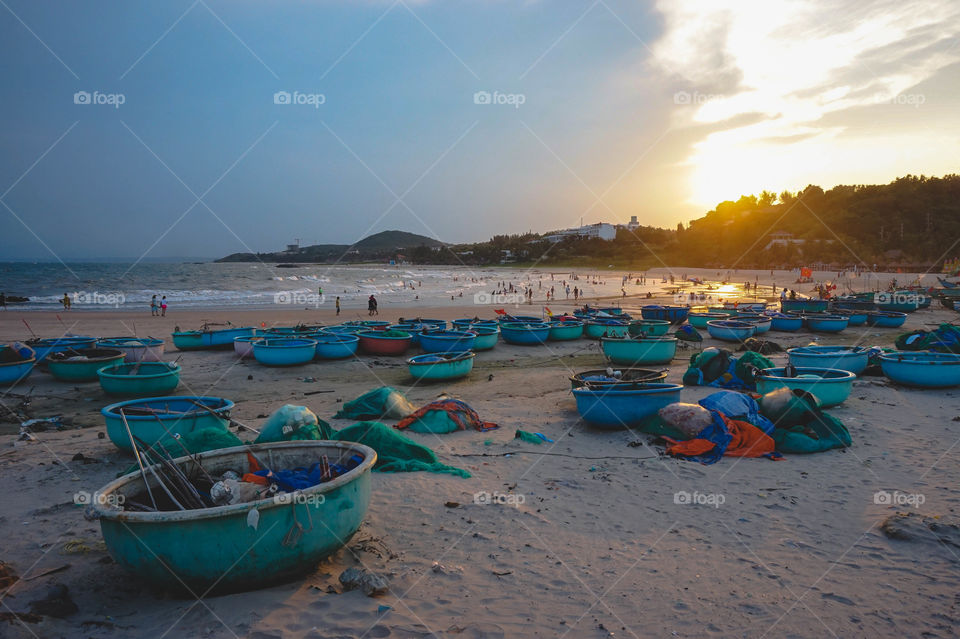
(104, 286)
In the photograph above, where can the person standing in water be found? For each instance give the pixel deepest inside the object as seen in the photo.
(338, 304)
(66, 302)
(163, 306)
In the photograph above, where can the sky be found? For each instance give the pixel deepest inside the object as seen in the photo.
(207, 127)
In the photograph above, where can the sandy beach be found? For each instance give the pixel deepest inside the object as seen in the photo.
(592, 544)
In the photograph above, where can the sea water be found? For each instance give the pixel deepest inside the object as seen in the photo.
(104, 286)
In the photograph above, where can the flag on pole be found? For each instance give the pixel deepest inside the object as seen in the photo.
(499, 311)
(549, 313)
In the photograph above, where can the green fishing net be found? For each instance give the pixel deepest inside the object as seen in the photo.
(380, 403)
(395, 452)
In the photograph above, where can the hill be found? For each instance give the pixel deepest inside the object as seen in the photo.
(379, 246)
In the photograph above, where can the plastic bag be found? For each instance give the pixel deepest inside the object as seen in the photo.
(689, 419)
(786, 407)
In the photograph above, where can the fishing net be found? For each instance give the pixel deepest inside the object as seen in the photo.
(444, 416)
(292, 423)
(395, 452)
(789, 407)
(380, 403)
(944, 339)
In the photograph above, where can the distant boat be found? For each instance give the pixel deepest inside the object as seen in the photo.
(945, 284)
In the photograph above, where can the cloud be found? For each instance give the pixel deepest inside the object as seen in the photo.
(797, 63)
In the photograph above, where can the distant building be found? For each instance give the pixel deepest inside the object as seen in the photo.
(633, 224)
(293, 248)
(781, 238)
(601, 230)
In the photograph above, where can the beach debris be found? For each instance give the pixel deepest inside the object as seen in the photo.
(452, 504)
(371, 583)
(440, 569)
(253, 518)
(915, 526)
(50, 571)
(42, 424)
(26, 617)
(531, 438)
(8, 576)
(56, 603)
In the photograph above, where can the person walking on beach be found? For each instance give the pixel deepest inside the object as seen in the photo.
(66, 302)
(153, 305)
(163, 306)
(338, 304)
(372, 306)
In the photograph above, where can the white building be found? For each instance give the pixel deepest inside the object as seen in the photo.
(633, 224)
(600, 230)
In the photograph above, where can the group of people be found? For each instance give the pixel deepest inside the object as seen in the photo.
(158, 308)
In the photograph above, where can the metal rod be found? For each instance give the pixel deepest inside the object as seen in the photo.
(136, 453)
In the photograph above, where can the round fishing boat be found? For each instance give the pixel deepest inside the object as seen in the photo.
(243, 346)
(336, 346)
(886, 319)
(141, 379)
(43, 347)
(639, 350)
(242, 546)
(136, 349)
(301, 330)
(519, 319)
(224, 337)
(16, 363)
(649, 327)
(731, 330)
(856, 318)
(624, 379)
(387, 342)
(752, 308)
(188, 340)
(83, 365)
(700, 319)
(487, 337)
(437, 324)
(672, 314)
(804, 305)
(611, 407)
(611, 310)
(784, 322)
(762, 322)
(370, 325)
(597, 328)
(155, 418)
(447, 341)
(467, 324)
(922, 368)
(827, 323)
(829, 385)
(846, 358)
(722, 310)
(284, 351)
(342, 329)
(566, 330)
(525, 333)
(413, 329)
(440, 366)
